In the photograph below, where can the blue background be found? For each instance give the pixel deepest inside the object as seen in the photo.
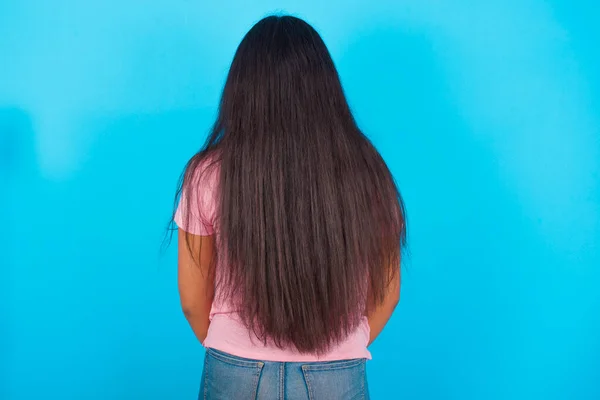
(487, 113)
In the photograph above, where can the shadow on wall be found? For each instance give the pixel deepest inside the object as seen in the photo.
(107, 305)
(17, 146)
(462, 218)
(125, 191)
(17, 169)
(84, 251)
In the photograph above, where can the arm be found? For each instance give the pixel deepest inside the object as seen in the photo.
(380, 316)
(196, 280)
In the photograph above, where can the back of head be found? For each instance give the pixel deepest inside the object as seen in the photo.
(311, 222)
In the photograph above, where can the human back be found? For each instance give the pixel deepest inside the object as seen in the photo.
(307, 221)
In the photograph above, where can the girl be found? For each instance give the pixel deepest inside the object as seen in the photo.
(290, 228)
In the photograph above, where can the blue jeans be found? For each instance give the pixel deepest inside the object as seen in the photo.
(227, 377)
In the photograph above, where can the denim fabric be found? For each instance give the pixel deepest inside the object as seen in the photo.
(227, 377)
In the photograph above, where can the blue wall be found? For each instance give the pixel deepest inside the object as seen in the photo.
(488, 115)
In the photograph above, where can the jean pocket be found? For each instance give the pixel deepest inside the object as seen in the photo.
(227, 377)
(339, 380)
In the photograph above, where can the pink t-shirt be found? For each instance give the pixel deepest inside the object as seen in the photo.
(226, 331)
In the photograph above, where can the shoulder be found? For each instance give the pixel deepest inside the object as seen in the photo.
(204, 172)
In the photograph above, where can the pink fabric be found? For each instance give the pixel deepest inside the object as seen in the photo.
(226, 332)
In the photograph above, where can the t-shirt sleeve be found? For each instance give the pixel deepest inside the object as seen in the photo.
(196, 211)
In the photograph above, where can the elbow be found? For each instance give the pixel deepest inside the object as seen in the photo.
(188, 310)
(191, 307)
(198, 321)
(193, 313)
(202, 336)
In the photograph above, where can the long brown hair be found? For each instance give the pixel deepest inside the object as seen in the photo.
(310, 220)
